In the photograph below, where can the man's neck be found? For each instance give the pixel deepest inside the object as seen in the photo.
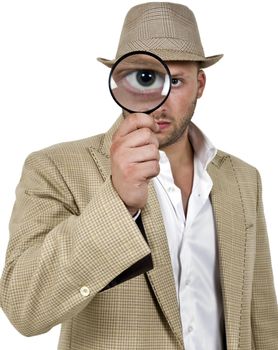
(181, 157)
(180, 154)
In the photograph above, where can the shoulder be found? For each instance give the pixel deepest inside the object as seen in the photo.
(232, 169)
(66, 159)
(240, 178)
(72, 147)
(237, 164)
(68, 150)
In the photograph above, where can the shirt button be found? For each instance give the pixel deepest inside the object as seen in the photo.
(190, 329)
(187, 282)
(171, 189)
(85, 291)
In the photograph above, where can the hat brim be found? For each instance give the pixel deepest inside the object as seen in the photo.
(204, 61)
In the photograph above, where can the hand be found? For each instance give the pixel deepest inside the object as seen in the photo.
(134, 159)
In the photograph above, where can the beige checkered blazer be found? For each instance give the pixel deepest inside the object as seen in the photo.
(71, 236)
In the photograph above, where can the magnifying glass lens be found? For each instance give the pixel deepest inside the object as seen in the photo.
(140, 82)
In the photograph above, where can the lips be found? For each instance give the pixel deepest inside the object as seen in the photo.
(163, 124)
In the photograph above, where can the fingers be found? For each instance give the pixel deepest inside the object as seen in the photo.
(147, 170)
(136, 121)
(134, 158)
(140, 137)
(144, 154)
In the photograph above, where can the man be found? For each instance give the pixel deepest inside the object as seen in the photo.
(145, 237)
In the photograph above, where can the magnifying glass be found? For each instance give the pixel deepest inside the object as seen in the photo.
(140, 82)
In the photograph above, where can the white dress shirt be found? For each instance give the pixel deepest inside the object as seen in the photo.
(193, 248)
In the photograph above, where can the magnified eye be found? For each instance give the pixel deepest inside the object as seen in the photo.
(140, 82)
(145, 80)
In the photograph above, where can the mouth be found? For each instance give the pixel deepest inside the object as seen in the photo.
(163, 124)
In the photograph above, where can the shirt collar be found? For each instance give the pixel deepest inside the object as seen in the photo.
(203, 149)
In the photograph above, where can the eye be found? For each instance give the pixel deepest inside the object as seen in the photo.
(145, 79)
(176, 82)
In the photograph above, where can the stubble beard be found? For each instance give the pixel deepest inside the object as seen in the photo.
(179, 128)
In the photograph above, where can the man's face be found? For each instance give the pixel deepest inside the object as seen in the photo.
(174, 116)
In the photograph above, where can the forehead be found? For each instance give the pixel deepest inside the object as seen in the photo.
(179, 67)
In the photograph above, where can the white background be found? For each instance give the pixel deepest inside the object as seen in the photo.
(52, 89)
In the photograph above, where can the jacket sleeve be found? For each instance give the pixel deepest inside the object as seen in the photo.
(58, 258)
(264, 311)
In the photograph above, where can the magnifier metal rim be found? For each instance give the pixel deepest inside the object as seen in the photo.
(139, 53)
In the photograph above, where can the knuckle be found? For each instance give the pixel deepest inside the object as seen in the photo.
(156, 168)
(128, 172)
(132, 118)
(114, 148)
(147, 134)
(141, 120)
(153, 150)
(154, 140)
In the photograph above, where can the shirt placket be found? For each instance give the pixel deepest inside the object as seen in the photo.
(200, 192)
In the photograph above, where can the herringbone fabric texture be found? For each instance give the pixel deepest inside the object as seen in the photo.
(71, 235)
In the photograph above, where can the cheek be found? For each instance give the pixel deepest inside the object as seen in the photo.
(182, 100)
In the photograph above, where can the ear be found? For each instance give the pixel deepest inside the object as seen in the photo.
(201, 78)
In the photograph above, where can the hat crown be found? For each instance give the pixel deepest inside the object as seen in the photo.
(158, 27)
(168, 30)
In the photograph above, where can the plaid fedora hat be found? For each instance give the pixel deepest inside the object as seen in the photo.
(166, 29)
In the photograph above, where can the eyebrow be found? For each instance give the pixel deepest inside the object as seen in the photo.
(178, 74)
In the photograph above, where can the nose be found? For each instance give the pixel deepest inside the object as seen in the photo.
(161, 110)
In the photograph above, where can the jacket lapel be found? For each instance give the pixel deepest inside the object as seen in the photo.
(161, 277)
(231, 233)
